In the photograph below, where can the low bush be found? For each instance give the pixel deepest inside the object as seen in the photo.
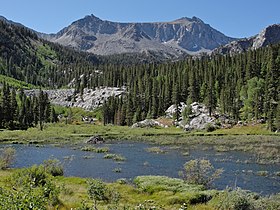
(200, 172)
(235, 200)
(152, 184)
(210, 127)
(189, 198)
(53, 167)
(7, 157)
(34, 187)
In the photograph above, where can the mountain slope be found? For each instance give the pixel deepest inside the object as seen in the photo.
(269, 35)
(185, 35)
(26, 57)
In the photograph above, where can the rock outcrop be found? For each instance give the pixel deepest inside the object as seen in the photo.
(171, 111)
(95, 140)
(89, 100)
(148, 123)
(199, 118)
(185, 35)
(269, 35)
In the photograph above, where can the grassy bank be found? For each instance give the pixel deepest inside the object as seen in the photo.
(149, 192)
(145, 193)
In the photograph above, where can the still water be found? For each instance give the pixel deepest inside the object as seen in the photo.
(237, 171)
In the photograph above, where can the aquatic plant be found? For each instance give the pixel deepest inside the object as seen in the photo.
(156, 150)
(115, 157)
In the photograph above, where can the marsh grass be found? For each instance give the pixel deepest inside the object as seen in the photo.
(152, 184)
(262, 173)
(156, 150)
(117, 170)
(160, 192)
(95, 149)
(115, 157)
(254, 139)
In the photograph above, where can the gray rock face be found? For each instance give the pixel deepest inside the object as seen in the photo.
(148, 123)
(95, 140)
(200, 122)
(269, 35)
(185, 35)
(171, 111)
(199, 119)
(90, 100)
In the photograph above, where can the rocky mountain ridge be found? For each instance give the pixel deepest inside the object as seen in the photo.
(173, 39)
(185, 35)
(269, 35)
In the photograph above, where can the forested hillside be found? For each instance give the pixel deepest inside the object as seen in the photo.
(244, 87)
(26, 57)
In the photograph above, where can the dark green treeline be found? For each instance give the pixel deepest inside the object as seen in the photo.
(245, 87)
(18, 111)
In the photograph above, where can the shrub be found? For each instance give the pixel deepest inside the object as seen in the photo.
(97, 191)
(35, 185)
(122, 181)
(148, 205)
(189, 198)
(235, 200)
(53, 167)
(271, 202)
(152, 184)
(210, 127)
(200, 172)
(7, 157)
(11, 199)
(35, 176)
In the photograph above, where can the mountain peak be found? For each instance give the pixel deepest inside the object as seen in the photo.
(91, 17)
(196, 19)
(184, 20)
(184, 35)
(269, 35)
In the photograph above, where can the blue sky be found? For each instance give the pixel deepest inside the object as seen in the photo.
(236, 18)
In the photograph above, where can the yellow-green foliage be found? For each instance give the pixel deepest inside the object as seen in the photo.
(6, 158)
(77, 113)
(156, 150)
(153, 184)
(15, 83)
(29, 188)
(259, 129)
(46, 54)
(151, 191)
(96, 149)
(116, 157)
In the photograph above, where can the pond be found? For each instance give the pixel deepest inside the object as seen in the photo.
(238, 171)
